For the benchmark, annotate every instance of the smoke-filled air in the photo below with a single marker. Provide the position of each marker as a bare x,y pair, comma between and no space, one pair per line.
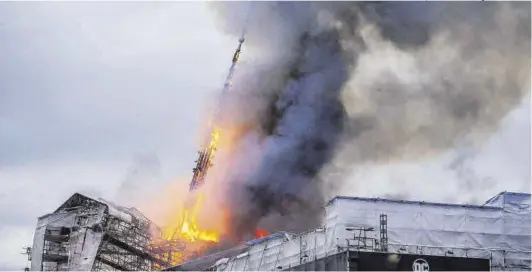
325,86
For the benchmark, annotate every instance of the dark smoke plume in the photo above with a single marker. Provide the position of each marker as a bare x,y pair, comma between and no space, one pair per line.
333,84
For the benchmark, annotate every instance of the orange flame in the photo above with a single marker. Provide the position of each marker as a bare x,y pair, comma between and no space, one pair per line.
201,224
186,227
259,233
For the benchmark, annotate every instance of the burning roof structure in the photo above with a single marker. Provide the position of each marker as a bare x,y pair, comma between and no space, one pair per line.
498,231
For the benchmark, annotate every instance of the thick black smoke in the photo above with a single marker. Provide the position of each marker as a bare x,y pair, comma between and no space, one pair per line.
334,84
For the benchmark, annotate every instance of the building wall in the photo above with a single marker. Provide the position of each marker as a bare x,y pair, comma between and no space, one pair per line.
490,231
281,252
377,261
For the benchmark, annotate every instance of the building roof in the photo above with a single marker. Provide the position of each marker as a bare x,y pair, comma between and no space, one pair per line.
508,197
428,203
75,200
126,214
207,261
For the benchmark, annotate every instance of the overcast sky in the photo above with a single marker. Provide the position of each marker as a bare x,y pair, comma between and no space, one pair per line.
92,92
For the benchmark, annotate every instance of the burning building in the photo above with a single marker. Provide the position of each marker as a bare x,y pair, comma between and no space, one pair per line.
357,234
86,234
320,101
382,234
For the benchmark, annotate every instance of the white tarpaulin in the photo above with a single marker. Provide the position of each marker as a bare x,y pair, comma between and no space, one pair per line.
498,230
49,220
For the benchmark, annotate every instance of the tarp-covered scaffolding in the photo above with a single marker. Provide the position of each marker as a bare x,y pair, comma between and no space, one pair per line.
498,230
86,234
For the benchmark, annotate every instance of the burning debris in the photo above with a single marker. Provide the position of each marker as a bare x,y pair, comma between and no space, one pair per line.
185,226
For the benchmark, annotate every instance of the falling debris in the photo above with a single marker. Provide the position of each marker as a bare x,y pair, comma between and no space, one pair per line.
205,156
185,226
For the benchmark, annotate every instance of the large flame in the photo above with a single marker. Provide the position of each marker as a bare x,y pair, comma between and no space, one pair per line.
198,223
214,139
185,225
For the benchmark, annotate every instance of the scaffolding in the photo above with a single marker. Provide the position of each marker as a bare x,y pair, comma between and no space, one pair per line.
384,232
88,234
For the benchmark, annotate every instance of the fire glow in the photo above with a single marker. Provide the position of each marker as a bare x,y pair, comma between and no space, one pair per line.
260,233
185,223
185,226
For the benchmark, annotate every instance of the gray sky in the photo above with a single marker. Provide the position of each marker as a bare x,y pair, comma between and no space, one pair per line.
94,94
87,88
